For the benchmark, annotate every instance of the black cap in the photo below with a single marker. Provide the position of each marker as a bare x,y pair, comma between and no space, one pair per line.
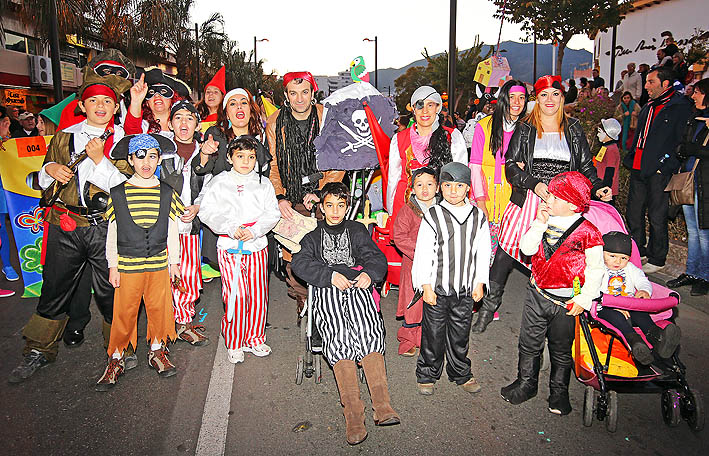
617,242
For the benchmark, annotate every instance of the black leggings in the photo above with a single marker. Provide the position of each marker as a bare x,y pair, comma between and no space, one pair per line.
640,319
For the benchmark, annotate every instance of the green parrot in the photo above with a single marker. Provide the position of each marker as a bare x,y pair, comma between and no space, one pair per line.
358,71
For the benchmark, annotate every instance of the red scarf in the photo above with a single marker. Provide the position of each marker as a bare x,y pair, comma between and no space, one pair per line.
656,106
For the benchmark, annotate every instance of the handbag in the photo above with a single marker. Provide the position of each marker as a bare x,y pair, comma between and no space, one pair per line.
681,187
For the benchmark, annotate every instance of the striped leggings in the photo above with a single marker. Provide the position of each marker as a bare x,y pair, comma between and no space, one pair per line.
191,272
249,280
348,321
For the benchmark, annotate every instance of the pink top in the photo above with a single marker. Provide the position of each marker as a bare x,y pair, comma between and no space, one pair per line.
419,145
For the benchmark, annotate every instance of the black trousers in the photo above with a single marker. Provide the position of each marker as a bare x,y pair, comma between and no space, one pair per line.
445,329
648,193
541,319
640,319
79,307
69,254
502,265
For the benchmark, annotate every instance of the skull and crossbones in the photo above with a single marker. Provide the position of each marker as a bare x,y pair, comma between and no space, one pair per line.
361,133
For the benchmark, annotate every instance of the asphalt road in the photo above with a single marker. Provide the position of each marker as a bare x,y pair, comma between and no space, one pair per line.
57,412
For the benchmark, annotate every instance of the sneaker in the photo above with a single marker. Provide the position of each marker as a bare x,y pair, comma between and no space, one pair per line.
31,362
158,360
207,280
235,355
471,386
110,376
425,389
681,280
10,273
649,268
6,293
410,352
496,316
259,350
191,334
130,359
700,288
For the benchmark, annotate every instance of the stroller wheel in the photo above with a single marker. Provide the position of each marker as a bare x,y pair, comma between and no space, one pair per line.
318,368
612,416
671,407
694,407
589,399
545,361
303,329
299,371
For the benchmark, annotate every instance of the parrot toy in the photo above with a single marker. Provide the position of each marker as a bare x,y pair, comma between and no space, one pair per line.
358,71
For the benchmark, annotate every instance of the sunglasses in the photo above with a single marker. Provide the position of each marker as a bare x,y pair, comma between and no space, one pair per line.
163,90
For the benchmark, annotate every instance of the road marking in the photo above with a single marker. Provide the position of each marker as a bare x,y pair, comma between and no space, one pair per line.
215,418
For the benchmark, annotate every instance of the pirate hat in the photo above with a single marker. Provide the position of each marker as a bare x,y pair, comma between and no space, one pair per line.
130,144
113,57
155,76
116,83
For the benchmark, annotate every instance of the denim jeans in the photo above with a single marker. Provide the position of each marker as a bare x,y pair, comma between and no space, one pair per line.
697,243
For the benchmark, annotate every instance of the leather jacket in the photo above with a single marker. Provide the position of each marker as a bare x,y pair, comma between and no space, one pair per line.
521,149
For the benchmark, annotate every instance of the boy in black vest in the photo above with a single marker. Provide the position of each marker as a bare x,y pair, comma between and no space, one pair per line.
451,266
142,241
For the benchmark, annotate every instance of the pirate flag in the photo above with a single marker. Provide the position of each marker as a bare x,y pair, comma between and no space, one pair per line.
345,141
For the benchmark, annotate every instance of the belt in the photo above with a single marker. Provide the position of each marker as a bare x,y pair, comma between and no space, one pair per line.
92,216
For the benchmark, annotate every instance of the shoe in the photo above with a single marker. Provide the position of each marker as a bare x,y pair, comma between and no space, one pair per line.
471,386
235,355
425,389
130,359
158,360
649,268
665,341
10,273
259,350
191,334
410,352
300,304
700,288
559,403
681,280
73,338
375,372
348,384
6,293
30,363
639,350
268,325
110,376
207,280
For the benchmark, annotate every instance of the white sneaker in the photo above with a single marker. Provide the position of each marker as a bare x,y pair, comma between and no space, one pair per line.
649,268
259,350
235,355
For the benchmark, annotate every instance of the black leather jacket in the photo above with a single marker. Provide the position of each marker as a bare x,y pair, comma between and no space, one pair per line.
521,149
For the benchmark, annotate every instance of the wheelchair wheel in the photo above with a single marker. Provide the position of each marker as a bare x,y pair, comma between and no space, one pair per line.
589,399
545,362
317,361
670,407
299,371
694,406
612,416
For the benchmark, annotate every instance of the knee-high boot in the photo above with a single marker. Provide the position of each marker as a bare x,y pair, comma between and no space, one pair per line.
375,371
559,378
491,302
348,384
525,387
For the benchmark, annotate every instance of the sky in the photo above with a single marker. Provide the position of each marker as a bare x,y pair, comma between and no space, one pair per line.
323,36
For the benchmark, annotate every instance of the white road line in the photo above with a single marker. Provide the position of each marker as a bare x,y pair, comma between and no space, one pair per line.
215,419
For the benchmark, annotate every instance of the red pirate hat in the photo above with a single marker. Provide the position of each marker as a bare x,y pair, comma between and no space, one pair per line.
218,81
548,81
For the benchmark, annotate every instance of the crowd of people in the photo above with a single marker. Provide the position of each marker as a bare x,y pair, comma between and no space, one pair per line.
465,209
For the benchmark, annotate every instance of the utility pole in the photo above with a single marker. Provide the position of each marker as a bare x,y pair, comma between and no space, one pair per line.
376,73
196,50
54,49
534,67
452,57
613,43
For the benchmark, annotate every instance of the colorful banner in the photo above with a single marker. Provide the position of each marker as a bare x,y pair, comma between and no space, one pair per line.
19,158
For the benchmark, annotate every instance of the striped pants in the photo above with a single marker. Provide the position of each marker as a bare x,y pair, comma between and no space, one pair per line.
191,272
249,280
348,321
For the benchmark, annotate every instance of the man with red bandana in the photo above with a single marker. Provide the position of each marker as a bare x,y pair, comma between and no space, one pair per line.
75,228
290,132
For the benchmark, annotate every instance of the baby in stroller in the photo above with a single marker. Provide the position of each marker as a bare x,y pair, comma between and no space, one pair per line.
623,278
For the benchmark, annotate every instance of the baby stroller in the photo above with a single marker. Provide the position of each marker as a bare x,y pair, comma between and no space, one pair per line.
604,364
310,363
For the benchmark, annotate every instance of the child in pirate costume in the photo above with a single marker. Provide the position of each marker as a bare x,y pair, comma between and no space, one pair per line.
565,248
240,206
404,233
75,229
340,260
176,170
451,267
142,249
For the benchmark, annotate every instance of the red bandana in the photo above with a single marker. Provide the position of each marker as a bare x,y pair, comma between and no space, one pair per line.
574,187
306,75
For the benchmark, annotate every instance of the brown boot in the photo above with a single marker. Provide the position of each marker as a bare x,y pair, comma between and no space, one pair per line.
348,384
375,372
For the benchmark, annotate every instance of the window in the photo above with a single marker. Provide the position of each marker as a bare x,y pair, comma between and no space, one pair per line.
19,43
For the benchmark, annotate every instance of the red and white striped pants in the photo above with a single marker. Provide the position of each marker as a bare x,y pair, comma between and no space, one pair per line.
248,326
191,272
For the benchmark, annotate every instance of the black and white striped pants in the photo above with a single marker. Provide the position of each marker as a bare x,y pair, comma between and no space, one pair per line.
348,321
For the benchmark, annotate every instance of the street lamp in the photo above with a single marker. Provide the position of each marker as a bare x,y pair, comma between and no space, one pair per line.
376,78
257,41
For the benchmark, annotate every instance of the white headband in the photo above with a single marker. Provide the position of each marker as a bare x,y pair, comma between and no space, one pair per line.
233,92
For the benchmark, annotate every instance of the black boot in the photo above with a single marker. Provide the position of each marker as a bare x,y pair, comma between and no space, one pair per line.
491,302
639,349
559,389
664,341
525,387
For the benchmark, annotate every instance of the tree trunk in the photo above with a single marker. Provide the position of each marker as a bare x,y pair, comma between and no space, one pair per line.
560,56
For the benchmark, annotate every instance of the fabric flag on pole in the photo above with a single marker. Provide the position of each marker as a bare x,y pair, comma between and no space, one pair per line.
381,145
269,107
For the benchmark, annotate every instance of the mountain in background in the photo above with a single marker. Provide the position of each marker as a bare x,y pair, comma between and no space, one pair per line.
520,57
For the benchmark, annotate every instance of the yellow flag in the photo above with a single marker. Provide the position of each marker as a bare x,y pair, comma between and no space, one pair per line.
269,107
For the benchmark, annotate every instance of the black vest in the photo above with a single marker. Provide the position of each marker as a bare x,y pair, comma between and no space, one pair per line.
133,240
